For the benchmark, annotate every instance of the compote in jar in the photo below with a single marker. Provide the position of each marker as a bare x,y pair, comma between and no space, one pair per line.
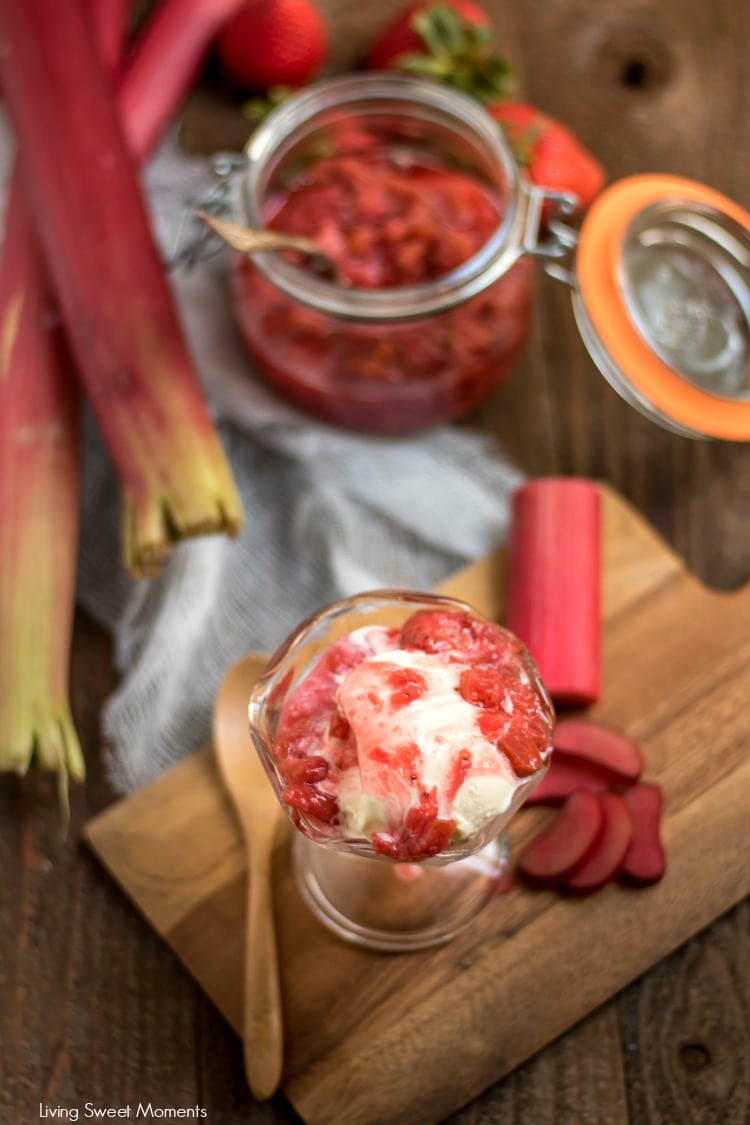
411,191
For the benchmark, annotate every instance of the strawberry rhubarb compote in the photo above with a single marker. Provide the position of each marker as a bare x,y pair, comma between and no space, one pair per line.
417,738
412,194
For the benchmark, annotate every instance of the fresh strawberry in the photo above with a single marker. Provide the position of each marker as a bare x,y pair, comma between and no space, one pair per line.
448,40
401,37
272,43
551,155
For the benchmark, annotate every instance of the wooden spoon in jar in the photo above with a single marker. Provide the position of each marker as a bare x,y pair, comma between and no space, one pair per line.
260,816
248,240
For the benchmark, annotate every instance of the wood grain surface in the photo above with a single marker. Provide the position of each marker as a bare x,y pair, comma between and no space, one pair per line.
409,1039
93,1005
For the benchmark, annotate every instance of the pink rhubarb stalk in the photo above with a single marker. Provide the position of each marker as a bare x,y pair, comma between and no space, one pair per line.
115,300
554,584
39,474
39,485
171,48
39,422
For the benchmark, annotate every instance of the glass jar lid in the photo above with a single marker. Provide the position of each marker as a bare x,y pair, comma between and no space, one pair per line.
662,301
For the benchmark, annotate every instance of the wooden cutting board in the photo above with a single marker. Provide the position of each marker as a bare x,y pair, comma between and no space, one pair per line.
378,1039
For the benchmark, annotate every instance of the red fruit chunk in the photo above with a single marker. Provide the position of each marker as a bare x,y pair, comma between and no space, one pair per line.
307,799
596,742
566,774
523,750
410,845
461,633
483,687
339,727
553,584
644,861
606,857
566,842
310,769
460,767
509,714
423,833
407,685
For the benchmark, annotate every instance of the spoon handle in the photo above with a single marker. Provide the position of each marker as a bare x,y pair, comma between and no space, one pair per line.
248,240
263,1034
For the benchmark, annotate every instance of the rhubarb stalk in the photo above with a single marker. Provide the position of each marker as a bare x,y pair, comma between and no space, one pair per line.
170,50
39,474
554,584
39,486
118,310
39,424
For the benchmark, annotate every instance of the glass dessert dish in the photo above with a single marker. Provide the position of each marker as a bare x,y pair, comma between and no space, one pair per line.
400,732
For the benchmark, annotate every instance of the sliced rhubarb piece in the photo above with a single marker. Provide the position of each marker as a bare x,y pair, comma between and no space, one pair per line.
606,858
598,743
566,842
553,584
644,862
568,773
116,303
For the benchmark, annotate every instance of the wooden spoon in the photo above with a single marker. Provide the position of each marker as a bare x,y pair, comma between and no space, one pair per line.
248,240
261,817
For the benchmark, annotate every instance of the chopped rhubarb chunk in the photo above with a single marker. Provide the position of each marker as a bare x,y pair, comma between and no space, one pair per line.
567,773
406,685
600,744
309,769
644,861
464,635
605,859
307,799
484,687
422,835
566,842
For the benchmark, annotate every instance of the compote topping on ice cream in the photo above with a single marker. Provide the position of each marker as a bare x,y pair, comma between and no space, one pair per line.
415,737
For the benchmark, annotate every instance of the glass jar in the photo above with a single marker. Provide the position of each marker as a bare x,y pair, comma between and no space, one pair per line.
659,274
361,891
358,155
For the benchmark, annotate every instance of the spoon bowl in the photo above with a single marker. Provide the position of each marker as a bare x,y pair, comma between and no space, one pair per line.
261,819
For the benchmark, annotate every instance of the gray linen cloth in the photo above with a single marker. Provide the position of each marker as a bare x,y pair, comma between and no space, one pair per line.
328,513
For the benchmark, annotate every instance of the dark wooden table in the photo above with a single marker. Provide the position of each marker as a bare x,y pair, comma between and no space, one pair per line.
93,1007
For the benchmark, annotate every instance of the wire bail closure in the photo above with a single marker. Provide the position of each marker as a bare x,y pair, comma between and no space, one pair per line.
194,242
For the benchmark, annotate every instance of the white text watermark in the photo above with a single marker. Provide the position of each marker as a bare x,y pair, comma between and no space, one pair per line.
145,1111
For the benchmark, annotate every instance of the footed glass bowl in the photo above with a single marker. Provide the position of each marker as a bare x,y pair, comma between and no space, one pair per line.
366,897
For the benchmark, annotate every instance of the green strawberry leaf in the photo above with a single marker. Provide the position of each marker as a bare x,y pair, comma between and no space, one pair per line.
256,110
459,54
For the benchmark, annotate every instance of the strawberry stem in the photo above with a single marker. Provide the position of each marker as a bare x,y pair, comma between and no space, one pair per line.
458,53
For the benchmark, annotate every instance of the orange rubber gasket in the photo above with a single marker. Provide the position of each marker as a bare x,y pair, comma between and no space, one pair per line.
597,258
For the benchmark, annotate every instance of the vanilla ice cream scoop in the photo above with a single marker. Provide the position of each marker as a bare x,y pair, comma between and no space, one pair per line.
421,739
